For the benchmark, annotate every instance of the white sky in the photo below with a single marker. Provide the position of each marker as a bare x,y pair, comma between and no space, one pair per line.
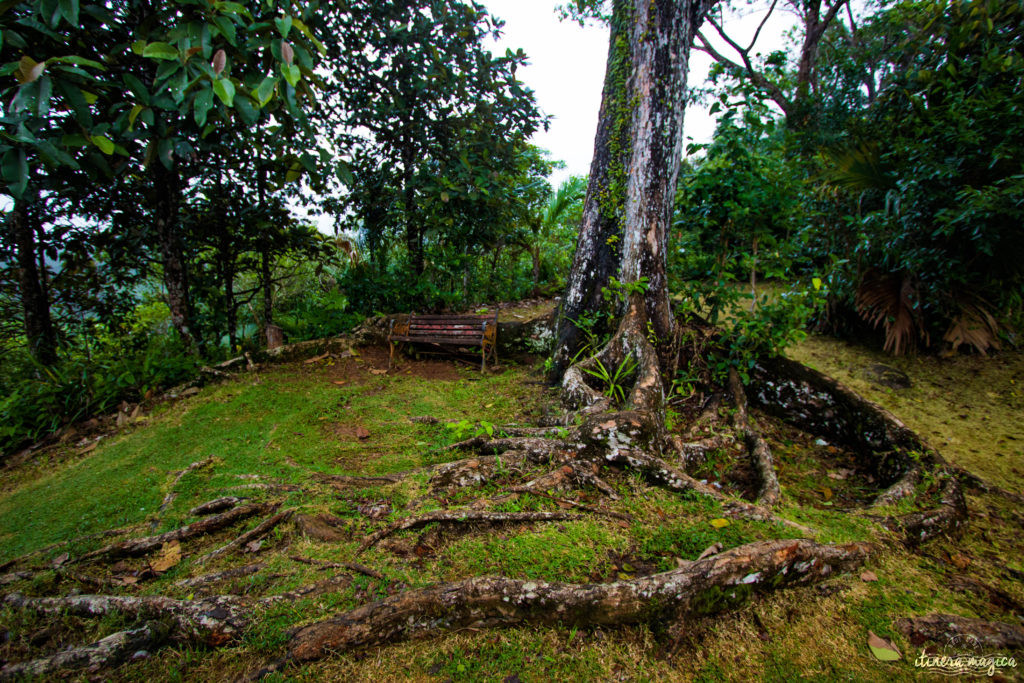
566,71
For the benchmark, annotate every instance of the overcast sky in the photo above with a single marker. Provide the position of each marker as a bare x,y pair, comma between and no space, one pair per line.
566,71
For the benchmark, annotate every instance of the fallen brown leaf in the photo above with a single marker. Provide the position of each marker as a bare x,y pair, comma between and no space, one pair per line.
869,576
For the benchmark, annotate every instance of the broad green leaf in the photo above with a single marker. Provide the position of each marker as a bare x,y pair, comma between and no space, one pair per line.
58,156
137,88
284,25
69,8
293,173
90,97
201,106
160,51
291,74
225,90
105,144
245,109
227,29
138,46
265,91
816,281
15,171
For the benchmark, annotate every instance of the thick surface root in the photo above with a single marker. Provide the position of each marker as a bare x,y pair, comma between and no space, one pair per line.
948,518
109,651
213,621
698,588
947,628
135,547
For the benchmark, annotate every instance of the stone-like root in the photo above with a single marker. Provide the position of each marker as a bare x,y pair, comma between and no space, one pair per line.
696,589
213,622
947,628
895,453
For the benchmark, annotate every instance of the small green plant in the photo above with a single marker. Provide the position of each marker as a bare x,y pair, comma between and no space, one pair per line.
464,429
614,382
617,289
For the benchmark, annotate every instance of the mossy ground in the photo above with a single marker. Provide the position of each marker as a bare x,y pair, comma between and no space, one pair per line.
288,423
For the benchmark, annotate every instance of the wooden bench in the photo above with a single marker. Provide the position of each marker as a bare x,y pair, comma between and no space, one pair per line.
449,331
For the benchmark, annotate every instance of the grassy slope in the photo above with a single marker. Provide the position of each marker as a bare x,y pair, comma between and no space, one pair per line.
295,420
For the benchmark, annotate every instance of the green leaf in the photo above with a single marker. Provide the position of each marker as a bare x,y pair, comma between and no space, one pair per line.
265,91
57,156
15,171
69,8
201,105
233,8
284,25
43,98
227,29
816,281
225,90
77,61
309,35
344,173
293,173
291,74
105,144
245,109
134,114
160,51
137,88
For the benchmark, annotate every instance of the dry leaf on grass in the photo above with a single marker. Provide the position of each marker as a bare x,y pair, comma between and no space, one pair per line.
869,576
170,556
882,649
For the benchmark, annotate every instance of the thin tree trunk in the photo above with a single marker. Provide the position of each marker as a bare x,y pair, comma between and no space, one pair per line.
39,330
165,203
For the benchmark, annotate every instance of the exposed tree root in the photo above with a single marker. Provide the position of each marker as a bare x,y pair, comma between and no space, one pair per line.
53,546
254,534
109,651
213,621
947,628
769,492
702,587
949,517
346,481
902,488
464,517
216,505
353,566
217,577
140,546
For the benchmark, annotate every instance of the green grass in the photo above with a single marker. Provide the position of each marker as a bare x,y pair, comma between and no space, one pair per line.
295,421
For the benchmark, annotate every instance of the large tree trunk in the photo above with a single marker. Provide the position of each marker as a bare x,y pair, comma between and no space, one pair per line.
633,174
39,330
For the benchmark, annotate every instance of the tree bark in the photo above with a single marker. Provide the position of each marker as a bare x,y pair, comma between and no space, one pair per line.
165,203
39,330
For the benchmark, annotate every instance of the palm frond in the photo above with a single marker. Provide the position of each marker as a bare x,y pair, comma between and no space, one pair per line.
974,325
887,299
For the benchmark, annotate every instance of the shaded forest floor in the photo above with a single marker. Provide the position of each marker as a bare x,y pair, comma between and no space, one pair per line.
290,434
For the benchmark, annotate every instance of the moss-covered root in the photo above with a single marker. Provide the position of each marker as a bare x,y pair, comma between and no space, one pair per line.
702,587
